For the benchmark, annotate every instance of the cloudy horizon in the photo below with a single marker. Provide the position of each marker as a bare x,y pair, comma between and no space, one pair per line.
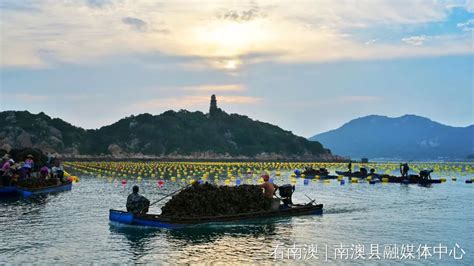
307,67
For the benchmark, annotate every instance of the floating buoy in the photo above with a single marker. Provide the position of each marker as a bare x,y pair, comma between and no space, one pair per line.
442,180
327,181
372,182
124,182
238,182
339,178
306,182
385,180
354,180
343,182
454,178
161,183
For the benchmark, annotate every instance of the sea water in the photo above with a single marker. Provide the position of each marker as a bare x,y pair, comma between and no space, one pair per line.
361,224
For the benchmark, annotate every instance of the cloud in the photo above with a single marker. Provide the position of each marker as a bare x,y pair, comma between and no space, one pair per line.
18,6
98,3
302,33
217,88
467,26
416,40
135,23
243,15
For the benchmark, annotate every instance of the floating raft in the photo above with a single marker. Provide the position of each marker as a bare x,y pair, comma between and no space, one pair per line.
321,177
27,192
182,222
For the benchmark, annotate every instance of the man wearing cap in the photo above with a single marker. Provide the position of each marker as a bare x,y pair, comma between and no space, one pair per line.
136,203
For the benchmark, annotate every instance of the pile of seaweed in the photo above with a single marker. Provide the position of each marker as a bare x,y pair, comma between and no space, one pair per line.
200,200
32,182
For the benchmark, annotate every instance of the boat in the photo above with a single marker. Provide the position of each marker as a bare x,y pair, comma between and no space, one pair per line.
159,221
27,192
353,174
310,173
7,191
412,179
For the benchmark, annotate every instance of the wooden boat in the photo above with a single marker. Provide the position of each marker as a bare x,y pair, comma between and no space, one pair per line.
27,192
182,222
322,173
412,179
8,191
353,174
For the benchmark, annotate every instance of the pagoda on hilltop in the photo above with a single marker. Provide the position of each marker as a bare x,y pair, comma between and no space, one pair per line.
213,109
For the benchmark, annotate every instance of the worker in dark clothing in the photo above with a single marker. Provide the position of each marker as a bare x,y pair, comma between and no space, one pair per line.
405,169
136,203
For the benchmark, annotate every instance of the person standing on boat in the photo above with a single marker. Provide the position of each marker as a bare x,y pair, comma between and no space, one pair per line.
405,170
349,167
136,203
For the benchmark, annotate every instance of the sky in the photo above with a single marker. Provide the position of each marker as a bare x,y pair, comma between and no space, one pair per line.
306,66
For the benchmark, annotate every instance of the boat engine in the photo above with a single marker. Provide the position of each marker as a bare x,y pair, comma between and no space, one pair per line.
286,191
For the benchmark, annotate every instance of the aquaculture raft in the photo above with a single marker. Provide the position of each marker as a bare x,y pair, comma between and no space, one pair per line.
182,222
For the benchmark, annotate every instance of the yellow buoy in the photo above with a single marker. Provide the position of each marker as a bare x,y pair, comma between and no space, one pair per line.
385,180
354,180
443,180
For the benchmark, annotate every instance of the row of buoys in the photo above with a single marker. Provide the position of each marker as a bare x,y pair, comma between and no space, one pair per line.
179,172
153,169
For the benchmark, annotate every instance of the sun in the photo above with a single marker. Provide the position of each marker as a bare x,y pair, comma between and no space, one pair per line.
231,40
231,64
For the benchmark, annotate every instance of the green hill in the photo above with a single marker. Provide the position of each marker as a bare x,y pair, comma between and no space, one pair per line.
170,134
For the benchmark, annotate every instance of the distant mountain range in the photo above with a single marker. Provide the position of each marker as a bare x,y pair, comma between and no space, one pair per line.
183,134
406,137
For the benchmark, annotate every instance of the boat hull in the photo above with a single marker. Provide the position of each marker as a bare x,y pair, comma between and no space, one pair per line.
8,191
177,223
25,192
